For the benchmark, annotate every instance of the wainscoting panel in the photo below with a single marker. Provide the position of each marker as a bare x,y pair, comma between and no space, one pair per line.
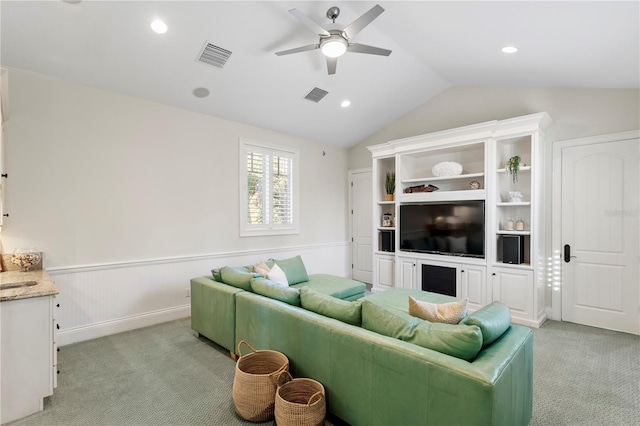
100,300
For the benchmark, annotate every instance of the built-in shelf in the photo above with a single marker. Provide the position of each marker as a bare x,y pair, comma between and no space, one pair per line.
444,178
525,266
386,202
504,232
471,194
521,169
507,204
386,228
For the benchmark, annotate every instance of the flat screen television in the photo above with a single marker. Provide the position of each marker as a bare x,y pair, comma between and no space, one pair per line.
451,228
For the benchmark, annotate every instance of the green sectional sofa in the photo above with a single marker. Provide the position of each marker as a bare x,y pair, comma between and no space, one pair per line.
213,301
379,365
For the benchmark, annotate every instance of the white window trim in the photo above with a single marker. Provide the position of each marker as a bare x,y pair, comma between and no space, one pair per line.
247,230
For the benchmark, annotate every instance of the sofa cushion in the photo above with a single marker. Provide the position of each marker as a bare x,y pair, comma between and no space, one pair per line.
332,307
340,287
277,275
294,269
239,276
268,288
448,313
494,320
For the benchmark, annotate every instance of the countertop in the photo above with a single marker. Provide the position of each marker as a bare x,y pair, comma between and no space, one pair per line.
44,286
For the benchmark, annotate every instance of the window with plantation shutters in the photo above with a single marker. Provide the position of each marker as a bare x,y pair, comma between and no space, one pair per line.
269,183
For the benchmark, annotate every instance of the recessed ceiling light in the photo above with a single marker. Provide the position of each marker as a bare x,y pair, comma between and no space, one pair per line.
509,49
159,26
200,92
345,103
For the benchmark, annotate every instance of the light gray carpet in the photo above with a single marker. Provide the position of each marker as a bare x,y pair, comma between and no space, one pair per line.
163,375
585,376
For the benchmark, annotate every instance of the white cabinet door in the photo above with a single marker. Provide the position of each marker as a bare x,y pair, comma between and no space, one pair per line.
514,288
407,272
385,268
473,285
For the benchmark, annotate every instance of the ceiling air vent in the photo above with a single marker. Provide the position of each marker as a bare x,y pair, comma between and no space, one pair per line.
213,55
316,95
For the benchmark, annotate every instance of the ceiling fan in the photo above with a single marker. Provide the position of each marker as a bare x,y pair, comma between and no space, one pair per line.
336,41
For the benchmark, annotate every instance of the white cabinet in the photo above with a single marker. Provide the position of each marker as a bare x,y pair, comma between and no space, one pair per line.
473,285
514,288
385,271
28,356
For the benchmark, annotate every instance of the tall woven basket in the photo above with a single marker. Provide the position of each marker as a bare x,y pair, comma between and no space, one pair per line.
300,402
255,382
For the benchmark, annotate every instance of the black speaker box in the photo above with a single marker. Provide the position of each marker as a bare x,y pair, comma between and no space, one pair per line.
512,249
388,241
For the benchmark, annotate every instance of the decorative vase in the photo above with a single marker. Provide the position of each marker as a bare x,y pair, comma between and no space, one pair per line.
389,197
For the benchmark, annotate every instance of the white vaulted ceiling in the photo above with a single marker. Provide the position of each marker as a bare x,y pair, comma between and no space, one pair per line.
109,45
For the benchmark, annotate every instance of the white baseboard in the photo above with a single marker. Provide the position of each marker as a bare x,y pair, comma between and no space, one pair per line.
528,322
106,328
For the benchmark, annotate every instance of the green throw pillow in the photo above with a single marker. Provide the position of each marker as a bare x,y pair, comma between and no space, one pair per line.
294,270
332,307
268,288
493,320
237,277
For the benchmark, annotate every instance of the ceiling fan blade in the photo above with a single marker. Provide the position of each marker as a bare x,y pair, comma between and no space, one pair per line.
363,48
298,49
311,24
331,65
358,25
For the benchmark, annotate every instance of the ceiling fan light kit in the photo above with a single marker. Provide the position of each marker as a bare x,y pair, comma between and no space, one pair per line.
334,46
334,43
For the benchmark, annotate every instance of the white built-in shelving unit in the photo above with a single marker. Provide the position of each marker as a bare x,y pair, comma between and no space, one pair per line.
483,150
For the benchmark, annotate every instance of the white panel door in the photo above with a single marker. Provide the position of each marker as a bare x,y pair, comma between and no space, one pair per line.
362,226
407,272
514,288
600,187
473,285
386,270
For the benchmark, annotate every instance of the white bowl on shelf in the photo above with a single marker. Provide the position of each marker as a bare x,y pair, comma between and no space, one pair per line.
447,168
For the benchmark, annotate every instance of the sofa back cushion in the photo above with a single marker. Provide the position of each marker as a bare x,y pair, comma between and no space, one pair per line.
239,276
494,320
460,341
332,307
272,290
294,269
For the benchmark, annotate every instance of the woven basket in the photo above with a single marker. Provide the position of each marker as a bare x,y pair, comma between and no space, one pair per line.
256,381
300,402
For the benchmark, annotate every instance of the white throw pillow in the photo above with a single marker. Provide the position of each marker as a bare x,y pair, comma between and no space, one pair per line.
276,274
